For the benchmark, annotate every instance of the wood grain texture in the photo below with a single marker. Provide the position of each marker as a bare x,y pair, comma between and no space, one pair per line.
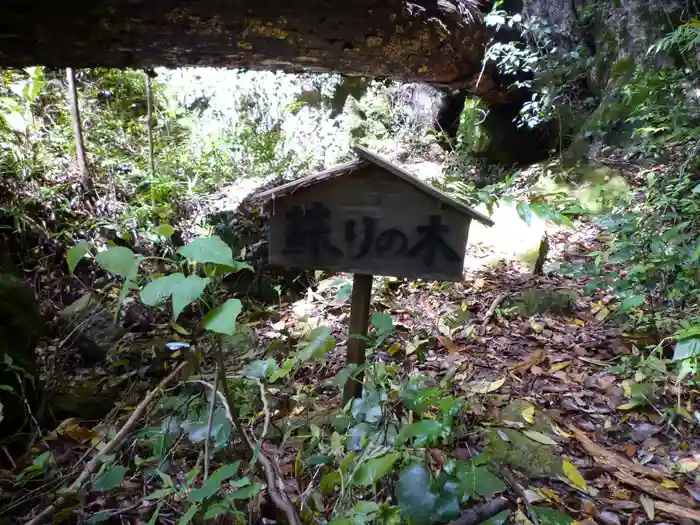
371,196
423,40
359,324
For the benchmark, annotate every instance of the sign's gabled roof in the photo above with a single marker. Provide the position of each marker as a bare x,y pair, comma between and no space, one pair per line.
366,158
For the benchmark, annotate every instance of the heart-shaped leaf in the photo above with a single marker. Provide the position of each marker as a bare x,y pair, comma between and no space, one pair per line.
208,250
158,290
76,253
222,320
119,260
188,291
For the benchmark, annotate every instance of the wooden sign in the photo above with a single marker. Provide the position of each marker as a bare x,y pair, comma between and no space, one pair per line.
368,217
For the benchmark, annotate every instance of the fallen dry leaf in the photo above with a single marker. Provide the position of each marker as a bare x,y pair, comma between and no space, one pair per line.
535,358
669,484
558,366
539,437
607,457
572,473
449,344
485,386
648,505
686,465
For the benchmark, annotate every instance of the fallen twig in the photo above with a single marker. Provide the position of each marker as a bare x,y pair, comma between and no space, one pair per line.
519,491
654,488
275,485
266,408
492,309
482,512
94,463
210,420
610,458
677,511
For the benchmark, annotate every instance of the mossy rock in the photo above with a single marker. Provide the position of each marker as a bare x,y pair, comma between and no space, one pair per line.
513,448
539,301
21,325
522,453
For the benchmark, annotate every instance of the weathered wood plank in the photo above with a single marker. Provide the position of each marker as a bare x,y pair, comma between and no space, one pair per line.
369,222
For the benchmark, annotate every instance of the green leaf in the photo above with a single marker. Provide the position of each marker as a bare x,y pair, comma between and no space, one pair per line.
686,349
188,291
319,342
374,469
164,230
154,518
551,516
76,253
382,321
98,517
216,509
246,493
222,320
689,332
329,481
187,516
631,302
119,260
110,478
212,485
260,368
208,250
425,431
158,290
158,494
524,212
478,480
416,500
234,267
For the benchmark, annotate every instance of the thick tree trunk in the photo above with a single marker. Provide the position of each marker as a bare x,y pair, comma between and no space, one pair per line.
85,178
434,41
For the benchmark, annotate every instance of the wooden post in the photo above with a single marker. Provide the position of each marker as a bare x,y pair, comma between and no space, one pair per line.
359,323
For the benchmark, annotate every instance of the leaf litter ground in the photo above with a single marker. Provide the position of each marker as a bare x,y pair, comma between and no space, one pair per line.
531,355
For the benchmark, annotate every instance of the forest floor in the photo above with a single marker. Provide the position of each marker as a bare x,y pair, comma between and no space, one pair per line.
531,355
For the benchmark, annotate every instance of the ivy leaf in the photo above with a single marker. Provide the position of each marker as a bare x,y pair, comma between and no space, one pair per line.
119,260
188,291
212,485
373,470
208,250
76,253
416,500
425,431
551,516
477,480
222,320
686,349
158,290
110,478
499,519
631,302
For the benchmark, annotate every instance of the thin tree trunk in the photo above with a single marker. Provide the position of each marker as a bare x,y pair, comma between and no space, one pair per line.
78,130
149,124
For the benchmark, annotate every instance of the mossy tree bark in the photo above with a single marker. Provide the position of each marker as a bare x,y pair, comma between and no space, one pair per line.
434,41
